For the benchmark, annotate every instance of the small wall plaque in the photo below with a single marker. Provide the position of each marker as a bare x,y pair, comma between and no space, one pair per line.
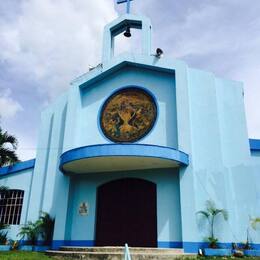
83,209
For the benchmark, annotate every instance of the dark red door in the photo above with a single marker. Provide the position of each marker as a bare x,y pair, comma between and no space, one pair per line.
126,213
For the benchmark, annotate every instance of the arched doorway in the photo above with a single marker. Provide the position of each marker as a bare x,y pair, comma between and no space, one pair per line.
126,213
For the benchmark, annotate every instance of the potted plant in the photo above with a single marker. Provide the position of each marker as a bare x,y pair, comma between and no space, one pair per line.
248,250
210,214
46,229
4,243
30,231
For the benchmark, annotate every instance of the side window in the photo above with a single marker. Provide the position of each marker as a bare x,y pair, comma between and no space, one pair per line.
11,202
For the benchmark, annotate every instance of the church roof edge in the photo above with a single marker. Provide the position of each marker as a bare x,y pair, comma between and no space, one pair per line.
17,167
120,61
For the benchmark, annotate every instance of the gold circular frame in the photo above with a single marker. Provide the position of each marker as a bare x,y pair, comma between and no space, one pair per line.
128,115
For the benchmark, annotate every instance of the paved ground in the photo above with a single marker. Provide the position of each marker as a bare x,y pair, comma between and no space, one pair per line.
18,255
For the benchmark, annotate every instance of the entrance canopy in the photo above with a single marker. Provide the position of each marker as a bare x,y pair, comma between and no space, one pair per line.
118,157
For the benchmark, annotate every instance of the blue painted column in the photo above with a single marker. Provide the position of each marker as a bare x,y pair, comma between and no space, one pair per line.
62,188
41,165
187,192
53,174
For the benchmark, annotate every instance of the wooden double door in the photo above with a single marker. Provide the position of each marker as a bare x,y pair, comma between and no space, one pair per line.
126,213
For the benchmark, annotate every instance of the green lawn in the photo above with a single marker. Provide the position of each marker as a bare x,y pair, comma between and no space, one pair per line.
20,255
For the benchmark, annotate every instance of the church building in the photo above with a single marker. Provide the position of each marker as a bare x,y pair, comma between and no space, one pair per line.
133,150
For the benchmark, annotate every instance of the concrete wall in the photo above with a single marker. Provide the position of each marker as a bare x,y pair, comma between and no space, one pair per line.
83,189
83,123
48,182
198,113
220,166
22,181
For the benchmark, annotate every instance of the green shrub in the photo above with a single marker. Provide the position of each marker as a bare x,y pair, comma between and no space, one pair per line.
31,231
210,214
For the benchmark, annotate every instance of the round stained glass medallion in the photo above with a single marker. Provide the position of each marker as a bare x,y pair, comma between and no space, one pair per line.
128,115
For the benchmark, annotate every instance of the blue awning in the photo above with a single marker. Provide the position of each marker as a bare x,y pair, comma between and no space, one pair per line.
116,157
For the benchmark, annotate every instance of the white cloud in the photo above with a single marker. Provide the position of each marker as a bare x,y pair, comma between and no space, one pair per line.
26,147
222,37
44,45
50,42
8,106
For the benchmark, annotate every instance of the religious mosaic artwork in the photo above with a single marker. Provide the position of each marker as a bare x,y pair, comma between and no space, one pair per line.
128,115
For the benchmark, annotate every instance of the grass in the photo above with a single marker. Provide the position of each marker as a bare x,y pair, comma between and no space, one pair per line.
21,255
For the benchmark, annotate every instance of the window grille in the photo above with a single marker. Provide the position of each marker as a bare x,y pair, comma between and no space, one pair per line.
11,202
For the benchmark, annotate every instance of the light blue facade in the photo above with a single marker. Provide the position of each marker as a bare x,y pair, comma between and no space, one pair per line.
19,177
83,188
197,150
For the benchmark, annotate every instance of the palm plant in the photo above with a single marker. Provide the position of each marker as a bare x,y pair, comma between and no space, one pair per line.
7,153
3,234
254,222
210,214
30,231
46,227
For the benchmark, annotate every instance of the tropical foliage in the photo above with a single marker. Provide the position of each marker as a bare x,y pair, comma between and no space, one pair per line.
41,228
8,146
255,222
3,234
210,214
30,231
46,227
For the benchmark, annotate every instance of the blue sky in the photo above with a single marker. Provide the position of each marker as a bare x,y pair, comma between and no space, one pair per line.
46,43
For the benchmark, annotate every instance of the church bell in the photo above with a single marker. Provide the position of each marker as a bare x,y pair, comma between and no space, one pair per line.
127,32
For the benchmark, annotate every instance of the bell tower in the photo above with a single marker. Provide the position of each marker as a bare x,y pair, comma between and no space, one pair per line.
124,24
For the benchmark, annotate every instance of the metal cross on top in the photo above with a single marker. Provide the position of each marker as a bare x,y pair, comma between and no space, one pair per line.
127,5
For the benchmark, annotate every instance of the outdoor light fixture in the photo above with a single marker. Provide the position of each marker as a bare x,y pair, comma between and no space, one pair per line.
159,53
127,32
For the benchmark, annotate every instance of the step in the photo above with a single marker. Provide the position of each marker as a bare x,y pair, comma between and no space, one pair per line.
112,255
120,249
